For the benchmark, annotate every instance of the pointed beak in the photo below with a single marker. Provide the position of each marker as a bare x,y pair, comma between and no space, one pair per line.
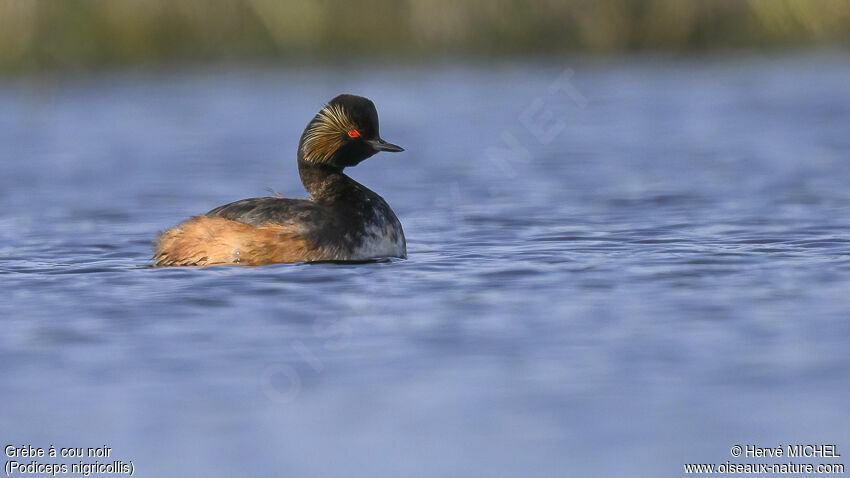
381,145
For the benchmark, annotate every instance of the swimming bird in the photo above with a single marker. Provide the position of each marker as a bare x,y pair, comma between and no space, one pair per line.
341,221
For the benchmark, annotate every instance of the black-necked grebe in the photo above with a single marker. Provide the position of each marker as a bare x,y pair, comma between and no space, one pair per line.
343,221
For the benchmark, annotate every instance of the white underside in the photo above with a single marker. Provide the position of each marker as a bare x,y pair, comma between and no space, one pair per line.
380,243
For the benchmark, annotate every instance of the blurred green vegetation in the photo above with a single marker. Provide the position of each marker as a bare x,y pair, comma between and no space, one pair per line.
84,34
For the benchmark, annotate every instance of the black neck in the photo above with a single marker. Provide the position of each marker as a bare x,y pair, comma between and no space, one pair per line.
323,182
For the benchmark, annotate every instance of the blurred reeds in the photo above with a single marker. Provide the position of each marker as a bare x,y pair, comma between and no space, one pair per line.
84,34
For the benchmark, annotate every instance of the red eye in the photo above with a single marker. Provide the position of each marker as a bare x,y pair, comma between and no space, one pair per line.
354,134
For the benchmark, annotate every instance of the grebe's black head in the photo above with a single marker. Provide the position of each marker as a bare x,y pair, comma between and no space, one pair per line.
343,133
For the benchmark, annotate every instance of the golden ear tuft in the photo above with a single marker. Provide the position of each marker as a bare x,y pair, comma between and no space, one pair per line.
327,134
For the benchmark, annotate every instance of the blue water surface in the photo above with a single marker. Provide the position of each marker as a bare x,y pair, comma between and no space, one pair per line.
615,268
